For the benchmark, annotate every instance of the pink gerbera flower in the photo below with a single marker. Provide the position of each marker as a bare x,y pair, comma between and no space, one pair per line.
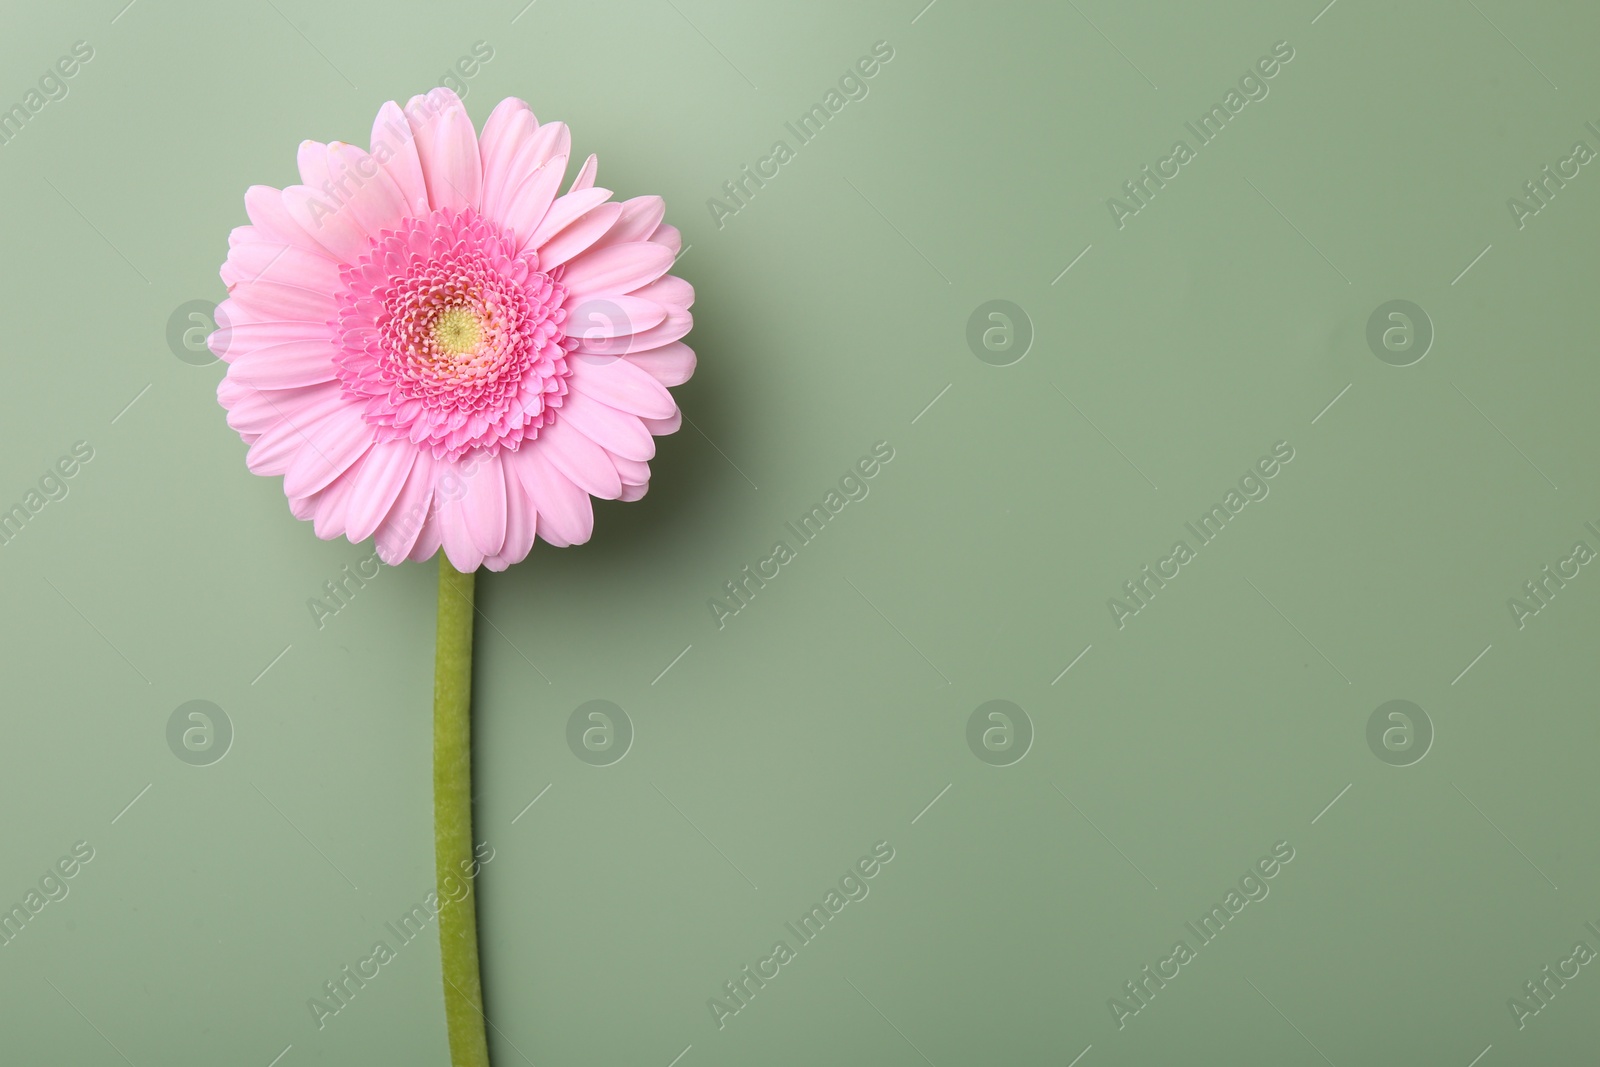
431,346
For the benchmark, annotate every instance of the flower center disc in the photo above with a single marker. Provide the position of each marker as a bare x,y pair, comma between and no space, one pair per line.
451,336
456,331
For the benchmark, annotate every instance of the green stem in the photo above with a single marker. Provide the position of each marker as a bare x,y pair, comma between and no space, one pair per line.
452,817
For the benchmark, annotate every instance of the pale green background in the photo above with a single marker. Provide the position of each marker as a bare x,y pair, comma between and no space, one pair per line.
825,717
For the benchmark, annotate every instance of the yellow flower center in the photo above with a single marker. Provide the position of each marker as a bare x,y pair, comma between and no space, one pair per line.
456,331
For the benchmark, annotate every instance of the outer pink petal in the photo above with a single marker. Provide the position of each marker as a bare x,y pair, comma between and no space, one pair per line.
564,212
370,196
252,412
332,504
566,517
253,257
577,237
315,207
289,365
521,518
670,364
281,302
483,505
640,218
586,173
616,270
383,476
448,148
621,385
297,426
510,125
525,207
402,527
633,472
429,539
579,459
340,440
668,237
662,427
395,147
606,426
272,221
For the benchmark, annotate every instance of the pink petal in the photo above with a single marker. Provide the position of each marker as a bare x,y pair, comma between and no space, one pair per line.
429,538
566,516
623,386
670,364
662,427
333,502
286,366
402,527
579,459
633,472
252,258
605,326
522,212
521,519
668,237
370,196
640,217
586,173
448,149
277,301
229,342
339,441
296,427
577,237
563,212
273,222
607,427
616,270
383,476
509,127
252,412
483,506
394,147
668,291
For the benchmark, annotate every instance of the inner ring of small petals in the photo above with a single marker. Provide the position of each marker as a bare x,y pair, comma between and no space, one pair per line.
452,337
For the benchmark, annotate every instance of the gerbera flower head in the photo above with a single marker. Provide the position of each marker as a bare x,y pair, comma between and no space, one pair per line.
434,346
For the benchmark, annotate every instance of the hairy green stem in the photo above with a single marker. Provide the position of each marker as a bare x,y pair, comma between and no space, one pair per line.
452,816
